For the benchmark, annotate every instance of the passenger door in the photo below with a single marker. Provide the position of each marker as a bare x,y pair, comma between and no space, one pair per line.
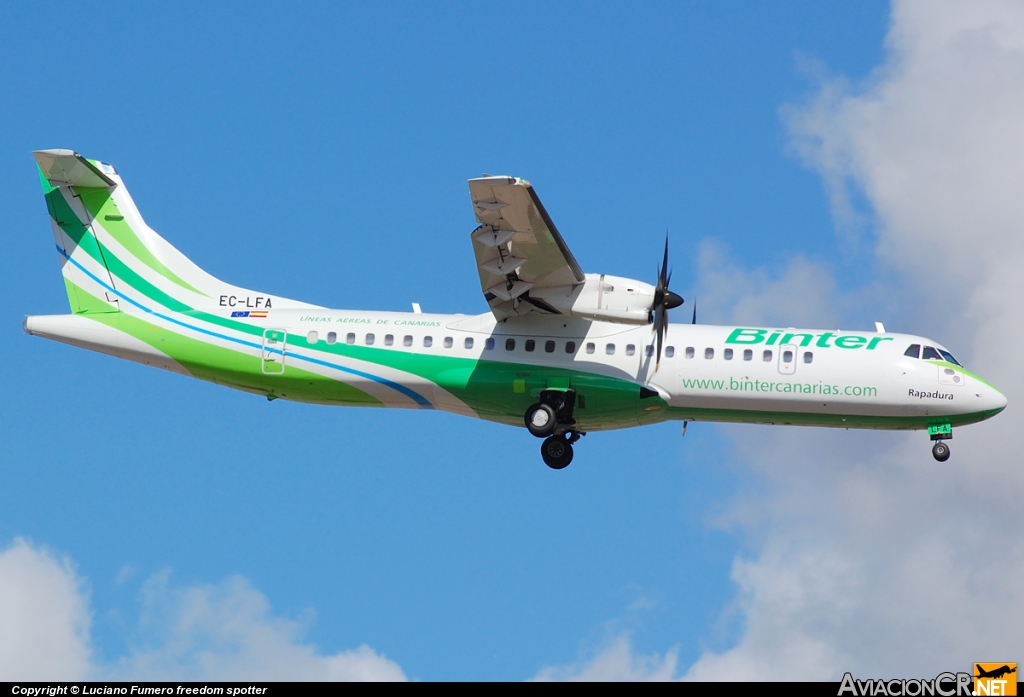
787,359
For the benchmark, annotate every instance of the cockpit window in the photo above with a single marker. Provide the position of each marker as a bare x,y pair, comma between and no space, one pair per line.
930,354
914,351
949,357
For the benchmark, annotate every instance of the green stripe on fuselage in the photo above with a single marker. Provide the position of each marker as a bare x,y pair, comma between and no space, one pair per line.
487,387
102,208
237,369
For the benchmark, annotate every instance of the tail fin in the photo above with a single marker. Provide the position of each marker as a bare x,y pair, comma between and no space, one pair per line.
111,260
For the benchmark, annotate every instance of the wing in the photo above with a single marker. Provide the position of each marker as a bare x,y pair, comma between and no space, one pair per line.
517,247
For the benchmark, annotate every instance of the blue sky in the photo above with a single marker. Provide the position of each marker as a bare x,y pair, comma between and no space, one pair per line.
322,154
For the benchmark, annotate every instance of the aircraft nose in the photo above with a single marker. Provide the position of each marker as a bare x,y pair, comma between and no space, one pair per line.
997,399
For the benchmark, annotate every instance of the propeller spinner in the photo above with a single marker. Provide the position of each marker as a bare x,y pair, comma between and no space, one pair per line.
664,300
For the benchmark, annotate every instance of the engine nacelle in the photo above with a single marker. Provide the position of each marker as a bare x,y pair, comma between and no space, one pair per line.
603,298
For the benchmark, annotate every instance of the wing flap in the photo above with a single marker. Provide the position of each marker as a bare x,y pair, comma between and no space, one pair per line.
517,246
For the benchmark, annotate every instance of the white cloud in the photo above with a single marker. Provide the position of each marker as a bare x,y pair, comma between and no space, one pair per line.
803,294
211,632
866,555
44,616
616,662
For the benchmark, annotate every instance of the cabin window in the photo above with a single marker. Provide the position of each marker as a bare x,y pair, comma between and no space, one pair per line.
930,354
312,338
767,357
407,340
914,351
690,353
428,341
787,356
332,337
570,347
370,338
549,346
727,354
609,349
949,357
590,347
389,339
649,350
468,343
808,357
488,344
748,354
448,342
670,351
530,344
350,338
630,349
709,353
510,344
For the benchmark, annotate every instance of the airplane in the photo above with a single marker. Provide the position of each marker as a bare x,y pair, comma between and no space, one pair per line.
995,673
560,352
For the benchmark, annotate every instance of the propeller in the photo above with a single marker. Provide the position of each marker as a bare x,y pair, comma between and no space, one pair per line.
664,300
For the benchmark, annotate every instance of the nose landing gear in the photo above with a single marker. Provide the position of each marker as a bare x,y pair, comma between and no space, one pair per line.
942,432
940,451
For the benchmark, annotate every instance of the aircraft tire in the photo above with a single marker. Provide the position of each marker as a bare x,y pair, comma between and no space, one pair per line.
940,451
540,420
557,452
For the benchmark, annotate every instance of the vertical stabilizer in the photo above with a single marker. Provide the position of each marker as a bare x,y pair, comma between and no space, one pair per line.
111,260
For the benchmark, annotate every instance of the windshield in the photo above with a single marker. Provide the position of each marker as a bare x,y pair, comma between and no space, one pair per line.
949,357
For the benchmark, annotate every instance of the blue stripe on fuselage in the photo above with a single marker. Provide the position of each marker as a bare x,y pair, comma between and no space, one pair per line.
411,394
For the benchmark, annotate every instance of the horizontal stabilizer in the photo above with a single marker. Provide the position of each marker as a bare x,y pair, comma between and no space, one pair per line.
68,168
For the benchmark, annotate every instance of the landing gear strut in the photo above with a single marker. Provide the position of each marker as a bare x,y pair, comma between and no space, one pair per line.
943,432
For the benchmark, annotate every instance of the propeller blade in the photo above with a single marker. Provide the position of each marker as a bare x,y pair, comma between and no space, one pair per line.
662,280
661,338
694,311
664,300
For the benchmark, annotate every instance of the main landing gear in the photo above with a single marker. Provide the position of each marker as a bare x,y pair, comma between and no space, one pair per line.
940,433
551,419
557,450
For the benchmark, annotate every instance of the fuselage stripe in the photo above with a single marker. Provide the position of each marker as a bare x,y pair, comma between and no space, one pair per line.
411,394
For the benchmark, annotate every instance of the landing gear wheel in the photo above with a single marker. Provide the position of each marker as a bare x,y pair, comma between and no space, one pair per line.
557,452
540,420
940,451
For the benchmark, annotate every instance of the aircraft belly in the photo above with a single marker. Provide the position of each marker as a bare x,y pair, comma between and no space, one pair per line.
503,391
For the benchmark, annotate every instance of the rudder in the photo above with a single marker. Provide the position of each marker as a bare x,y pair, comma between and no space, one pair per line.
110,258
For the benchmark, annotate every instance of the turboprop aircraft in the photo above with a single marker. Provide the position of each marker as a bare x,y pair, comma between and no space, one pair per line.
561,352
